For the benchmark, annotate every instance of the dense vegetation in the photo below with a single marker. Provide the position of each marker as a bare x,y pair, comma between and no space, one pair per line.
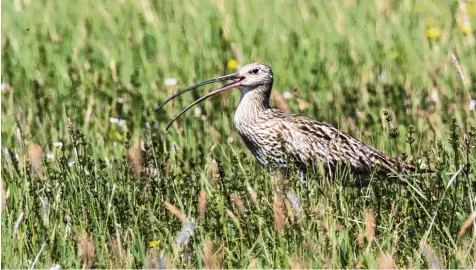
91,179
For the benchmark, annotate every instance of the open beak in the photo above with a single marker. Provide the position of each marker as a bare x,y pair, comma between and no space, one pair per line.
236,83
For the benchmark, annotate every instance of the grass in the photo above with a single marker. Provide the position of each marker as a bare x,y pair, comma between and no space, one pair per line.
82,188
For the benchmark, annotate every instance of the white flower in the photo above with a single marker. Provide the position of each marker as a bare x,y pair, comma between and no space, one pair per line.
229,139
117,121
5,87
288,95
472,105
121,122
197,112
55,267
383,77
120,100
58,144
50,156
70,163
434,96
170,82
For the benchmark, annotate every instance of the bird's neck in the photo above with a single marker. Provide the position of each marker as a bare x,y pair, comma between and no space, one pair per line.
253,101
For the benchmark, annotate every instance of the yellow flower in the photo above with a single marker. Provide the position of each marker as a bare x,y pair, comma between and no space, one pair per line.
232,64
433,32
154,243
115,135
465,28
472,9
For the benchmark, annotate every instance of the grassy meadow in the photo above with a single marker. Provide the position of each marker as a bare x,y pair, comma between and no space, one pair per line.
90,179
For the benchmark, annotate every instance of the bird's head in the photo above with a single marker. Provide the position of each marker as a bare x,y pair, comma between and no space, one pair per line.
248,78
255,74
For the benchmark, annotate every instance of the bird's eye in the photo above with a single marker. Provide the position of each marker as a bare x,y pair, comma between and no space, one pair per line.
254,71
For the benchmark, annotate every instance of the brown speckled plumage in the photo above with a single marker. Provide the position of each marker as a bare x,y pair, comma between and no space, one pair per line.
278,137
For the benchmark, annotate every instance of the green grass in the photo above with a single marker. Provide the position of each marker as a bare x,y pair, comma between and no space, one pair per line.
90,61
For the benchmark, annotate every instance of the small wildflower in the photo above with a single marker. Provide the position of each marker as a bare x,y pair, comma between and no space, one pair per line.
5,87
55,267
120,100
383,77
115,135
70,163
197,112
433,32
170,82
58,144
465,28
288,95
472,104
117,121
434,95
232,64
229,139
154,243
186,233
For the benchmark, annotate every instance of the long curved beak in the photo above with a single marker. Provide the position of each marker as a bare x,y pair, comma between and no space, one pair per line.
237,83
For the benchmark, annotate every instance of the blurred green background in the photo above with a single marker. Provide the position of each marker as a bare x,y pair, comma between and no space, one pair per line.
104,65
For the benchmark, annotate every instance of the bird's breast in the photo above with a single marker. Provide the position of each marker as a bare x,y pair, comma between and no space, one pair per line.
262,138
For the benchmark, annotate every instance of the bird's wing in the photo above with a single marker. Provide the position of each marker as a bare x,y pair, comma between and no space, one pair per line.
312,141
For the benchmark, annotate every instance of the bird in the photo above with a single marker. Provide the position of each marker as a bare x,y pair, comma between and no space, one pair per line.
286,140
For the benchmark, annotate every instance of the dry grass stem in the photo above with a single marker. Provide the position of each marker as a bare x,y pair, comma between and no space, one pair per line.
456,64
370,224
278,210
467,223
385,261
253,196
35,156
176,212
86,250
135,157
213,165
360,240
279,101
211,259
235,198
202,204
